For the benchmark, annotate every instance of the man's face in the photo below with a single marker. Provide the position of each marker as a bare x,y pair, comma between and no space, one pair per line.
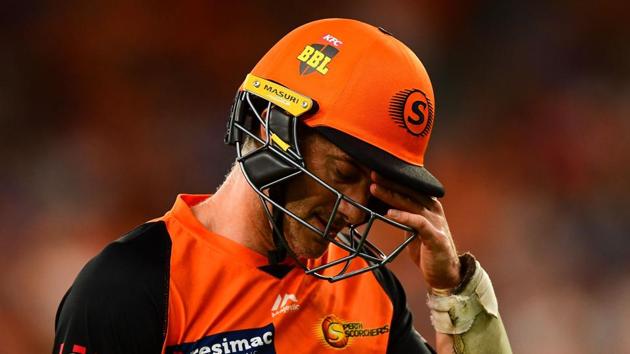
314,203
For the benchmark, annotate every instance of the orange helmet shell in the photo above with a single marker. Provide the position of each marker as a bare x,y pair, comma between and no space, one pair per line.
367,84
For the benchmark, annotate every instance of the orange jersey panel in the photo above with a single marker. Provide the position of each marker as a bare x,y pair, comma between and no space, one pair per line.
216,287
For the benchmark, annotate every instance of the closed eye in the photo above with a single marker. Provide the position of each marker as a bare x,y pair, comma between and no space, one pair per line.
346,174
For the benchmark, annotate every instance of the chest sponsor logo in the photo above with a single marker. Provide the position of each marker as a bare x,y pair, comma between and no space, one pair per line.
246,341
339,334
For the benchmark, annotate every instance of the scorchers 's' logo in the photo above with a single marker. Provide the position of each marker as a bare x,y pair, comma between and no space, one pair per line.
339,334
413,110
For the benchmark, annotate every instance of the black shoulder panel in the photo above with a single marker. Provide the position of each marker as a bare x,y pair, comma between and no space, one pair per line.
277,270
403,337
119,301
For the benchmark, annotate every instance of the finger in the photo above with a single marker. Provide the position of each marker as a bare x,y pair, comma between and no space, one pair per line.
404,201
432,237
395,199
428,202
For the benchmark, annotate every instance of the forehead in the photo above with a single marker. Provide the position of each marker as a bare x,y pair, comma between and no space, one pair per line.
317,146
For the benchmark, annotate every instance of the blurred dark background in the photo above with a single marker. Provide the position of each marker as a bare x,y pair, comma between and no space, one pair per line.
108,109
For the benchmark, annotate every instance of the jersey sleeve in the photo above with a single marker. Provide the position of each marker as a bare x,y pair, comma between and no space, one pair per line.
119,301
403,337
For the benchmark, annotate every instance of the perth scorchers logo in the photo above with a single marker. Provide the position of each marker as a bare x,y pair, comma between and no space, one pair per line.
413,110
339,334
316,57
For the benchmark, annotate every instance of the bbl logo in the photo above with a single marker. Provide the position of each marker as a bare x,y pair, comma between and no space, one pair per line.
315,57
411,109
338,333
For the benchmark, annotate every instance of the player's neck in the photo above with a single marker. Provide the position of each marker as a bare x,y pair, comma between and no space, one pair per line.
235,212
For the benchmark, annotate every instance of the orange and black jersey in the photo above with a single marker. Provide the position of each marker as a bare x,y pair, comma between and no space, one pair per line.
172,286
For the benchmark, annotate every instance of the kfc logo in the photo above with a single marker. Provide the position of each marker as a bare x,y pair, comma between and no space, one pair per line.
332,40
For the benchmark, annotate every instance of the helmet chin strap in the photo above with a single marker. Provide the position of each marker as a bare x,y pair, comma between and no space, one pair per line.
279,253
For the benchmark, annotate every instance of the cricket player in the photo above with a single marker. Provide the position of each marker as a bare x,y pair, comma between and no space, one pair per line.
330,130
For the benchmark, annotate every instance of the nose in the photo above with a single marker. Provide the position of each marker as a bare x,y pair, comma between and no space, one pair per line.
353,214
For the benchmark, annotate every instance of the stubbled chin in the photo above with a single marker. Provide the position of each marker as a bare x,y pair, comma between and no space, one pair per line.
314,249
304,242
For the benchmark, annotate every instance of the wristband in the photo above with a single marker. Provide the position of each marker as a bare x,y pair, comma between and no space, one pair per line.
468,267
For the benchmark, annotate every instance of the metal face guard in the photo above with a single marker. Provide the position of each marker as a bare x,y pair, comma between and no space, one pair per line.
278,159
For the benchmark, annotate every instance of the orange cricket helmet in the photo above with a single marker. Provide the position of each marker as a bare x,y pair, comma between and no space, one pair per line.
374,96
